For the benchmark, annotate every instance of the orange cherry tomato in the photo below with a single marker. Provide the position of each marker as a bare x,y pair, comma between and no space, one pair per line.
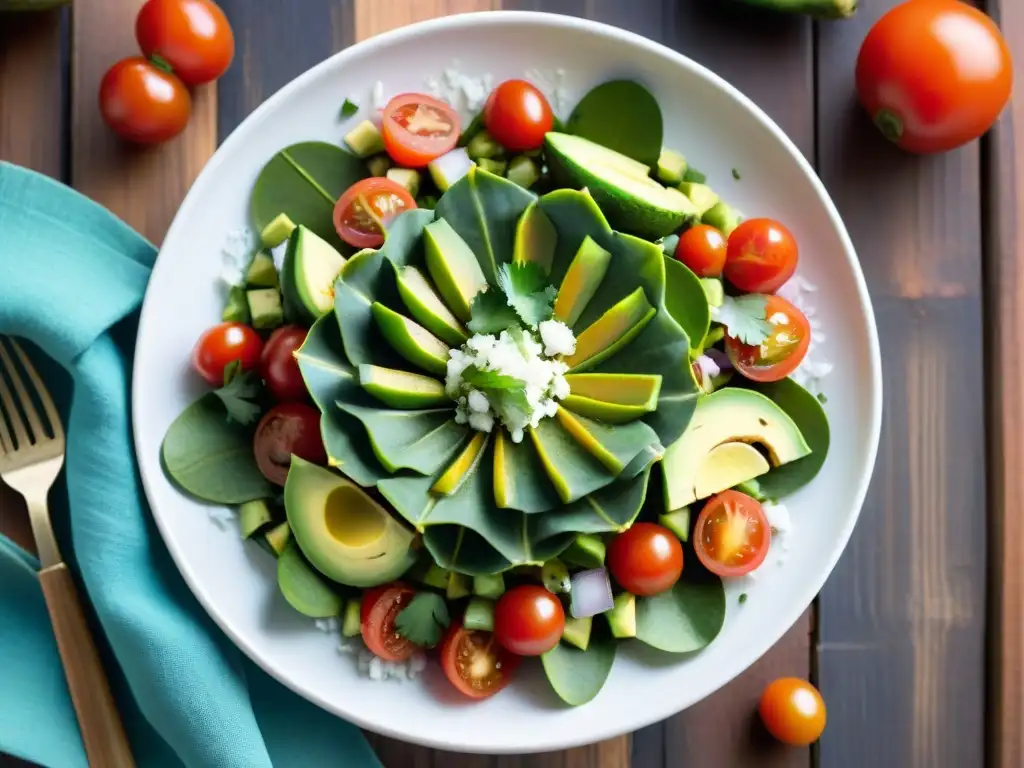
417,128
934,75
192,36
475,663
528,620
222,345
365,211
379,610
143,103
703,249
732,535
518,115
793,711
782,350
646,559
762,256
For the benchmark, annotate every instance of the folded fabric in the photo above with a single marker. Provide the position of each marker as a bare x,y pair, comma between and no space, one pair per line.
72,277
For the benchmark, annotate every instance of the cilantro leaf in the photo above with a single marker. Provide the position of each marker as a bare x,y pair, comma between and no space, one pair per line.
423,620
237,395
349,108
490,313
525,285
743,318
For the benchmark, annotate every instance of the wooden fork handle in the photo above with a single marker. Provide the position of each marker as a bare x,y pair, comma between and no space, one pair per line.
103,734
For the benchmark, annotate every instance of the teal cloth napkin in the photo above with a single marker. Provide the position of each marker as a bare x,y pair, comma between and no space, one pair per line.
72,277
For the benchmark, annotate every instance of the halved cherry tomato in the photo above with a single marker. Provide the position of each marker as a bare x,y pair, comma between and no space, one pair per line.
475,663
222,345
192,36
378,612
416,128
528,620
143,103
782,350
518,115
703,249
286,429
280,369
646,559
762,256
732,534
363,213
934,75
793,711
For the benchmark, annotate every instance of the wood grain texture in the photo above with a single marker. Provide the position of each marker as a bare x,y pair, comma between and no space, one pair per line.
1003,155
142,185
902,618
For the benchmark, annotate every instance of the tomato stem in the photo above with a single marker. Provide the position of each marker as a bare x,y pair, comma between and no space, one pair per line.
890,124
160,62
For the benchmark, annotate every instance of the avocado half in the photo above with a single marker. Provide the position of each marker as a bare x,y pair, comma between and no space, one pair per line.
717,450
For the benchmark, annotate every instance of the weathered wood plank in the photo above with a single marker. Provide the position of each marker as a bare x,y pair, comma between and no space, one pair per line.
902,617
1003,156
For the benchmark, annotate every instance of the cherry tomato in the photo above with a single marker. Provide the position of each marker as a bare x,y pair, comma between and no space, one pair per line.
793,711
732,534
192,36
143,103
762,256
417,128
278,366
224,344
363,213
646,559
518,115
286,429
934,75
782,350
528,620
475,663
378,612
703,249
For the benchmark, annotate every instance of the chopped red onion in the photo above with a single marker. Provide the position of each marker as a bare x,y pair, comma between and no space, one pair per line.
591,593
720,358
708,366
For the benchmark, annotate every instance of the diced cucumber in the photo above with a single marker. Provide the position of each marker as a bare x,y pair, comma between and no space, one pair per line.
622,617
587,551
497,167
458,586
277,231
713,290
491,585
701,195
365,139
692,174
577,631
236,310
351,622
252,516
279,536
555,576
678,522
483,145
671,166
436,577
752,488
378,165
406,177
265,308
479,614
449,168
262,273
722,217
523,171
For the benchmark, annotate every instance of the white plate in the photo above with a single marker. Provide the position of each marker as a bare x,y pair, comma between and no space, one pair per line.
718,129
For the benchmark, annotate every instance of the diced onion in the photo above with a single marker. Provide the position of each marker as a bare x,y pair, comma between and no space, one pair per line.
591,593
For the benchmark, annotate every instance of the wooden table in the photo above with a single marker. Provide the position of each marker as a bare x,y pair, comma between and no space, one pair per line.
916,640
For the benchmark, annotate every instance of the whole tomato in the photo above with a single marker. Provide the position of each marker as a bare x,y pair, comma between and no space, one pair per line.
286,429
143,103
192,36
280,369
222,345
934,74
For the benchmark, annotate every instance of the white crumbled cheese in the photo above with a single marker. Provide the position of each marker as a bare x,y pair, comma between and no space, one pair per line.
467,94
329,625
235,253
782,528
557,337
814,367
478,402
379,670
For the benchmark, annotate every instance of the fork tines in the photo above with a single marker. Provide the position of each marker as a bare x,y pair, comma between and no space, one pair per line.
21,405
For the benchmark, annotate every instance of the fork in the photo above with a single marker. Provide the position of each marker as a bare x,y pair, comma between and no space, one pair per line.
31,457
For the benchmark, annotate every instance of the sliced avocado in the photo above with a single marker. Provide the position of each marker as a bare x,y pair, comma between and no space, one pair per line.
523,171
752,488
462,467
622,617
277,231
236,310
479,614
581,281
449,168
378,165
609,413
639,389
576,632
279,536
344,533
632,201
555,576
671,166
436,577
703,197
453,267
458,586
727,416
311,267
588,434
426,307
610,332
351,622
586,551
483,145
365,139
678,522
713,290
306,591
252,516
261,273
535,238
489,585
497,167
724,464
401,389
265,308
407,178
411,340
721,217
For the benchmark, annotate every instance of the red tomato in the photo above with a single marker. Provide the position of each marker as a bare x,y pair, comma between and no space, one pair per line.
286,429
475,663
646,559
365,211
732,534
192,36
934,75
142,103
518,115
379,610
528,620
278,366
417,128
762,256
702,248
781,352
793,711
224,344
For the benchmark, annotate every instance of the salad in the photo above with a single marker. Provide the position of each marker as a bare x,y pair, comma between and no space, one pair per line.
514,388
